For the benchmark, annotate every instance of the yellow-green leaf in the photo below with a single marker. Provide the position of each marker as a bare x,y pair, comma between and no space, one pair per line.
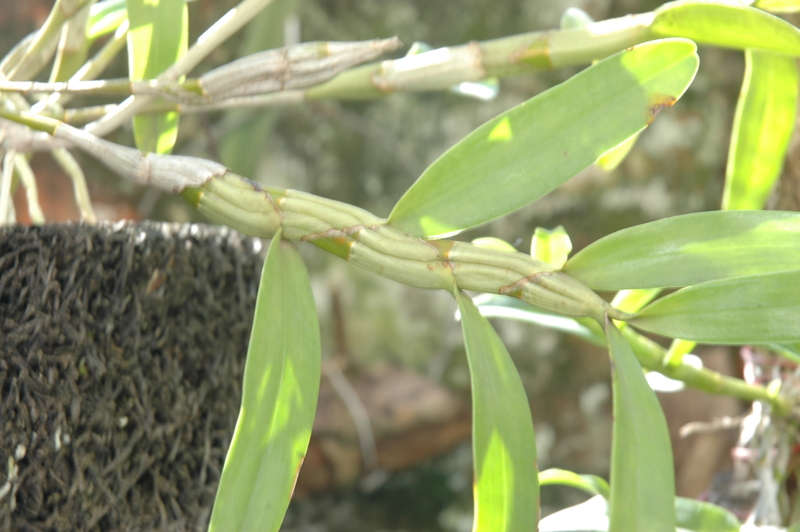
531,149
551,246
726,24
642,476
105,17
690,249
157,38
503,443
755,309
762,128
589,483
279,399
778,6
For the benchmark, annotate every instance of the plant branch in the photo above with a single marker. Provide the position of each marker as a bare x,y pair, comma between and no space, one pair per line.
226,26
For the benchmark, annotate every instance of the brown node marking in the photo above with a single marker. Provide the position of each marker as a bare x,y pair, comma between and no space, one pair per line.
515,288
659,102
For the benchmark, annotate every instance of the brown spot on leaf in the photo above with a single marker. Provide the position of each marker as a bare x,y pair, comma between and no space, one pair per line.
659,102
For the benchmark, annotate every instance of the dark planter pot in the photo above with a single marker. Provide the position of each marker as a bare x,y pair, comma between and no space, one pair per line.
121,354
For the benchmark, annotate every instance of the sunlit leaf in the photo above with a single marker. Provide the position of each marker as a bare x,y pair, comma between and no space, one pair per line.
611,159
588,483
279,399
551,246
105,17
726,24
700,516
491,242
158,36
778,6
503,442
496,306
642,476
744,310
633,300
762,128
690,249
590,516
531,149
575,18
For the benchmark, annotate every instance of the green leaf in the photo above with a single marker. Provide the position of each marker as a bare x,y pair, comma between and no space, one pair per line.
503,443
690,249
589,483
726,24
105,17
526,152
279,399
157,38
762,129
642,478
497,306
699,516
551,246
778,6
753,309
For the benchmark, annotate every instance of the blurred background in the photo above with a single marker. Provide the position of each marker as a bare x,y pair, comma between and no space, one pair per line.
394,351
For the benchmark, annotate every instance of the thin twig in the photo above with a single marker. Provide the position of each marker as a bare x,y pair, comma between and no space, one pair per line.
31,190
226,26
6,206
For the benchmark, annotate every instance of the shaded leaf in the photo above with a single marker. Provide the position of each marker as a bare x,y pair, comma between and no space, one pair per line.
690,249
744,310
497,306
279,399
763,125
589,483
524,153
642,476
157,38
503,442
700,516
726,24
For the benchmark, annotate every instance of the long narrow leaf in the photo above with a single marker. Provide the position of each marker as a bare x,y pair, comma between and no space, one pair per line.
158,36
762,128
754,309
642,478
497,306
503,442
726,24
589,483
279,399
690,249
531,149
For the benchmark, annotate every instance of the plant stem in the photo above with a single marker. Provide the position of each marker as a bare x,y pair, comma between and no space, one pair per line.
654,357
